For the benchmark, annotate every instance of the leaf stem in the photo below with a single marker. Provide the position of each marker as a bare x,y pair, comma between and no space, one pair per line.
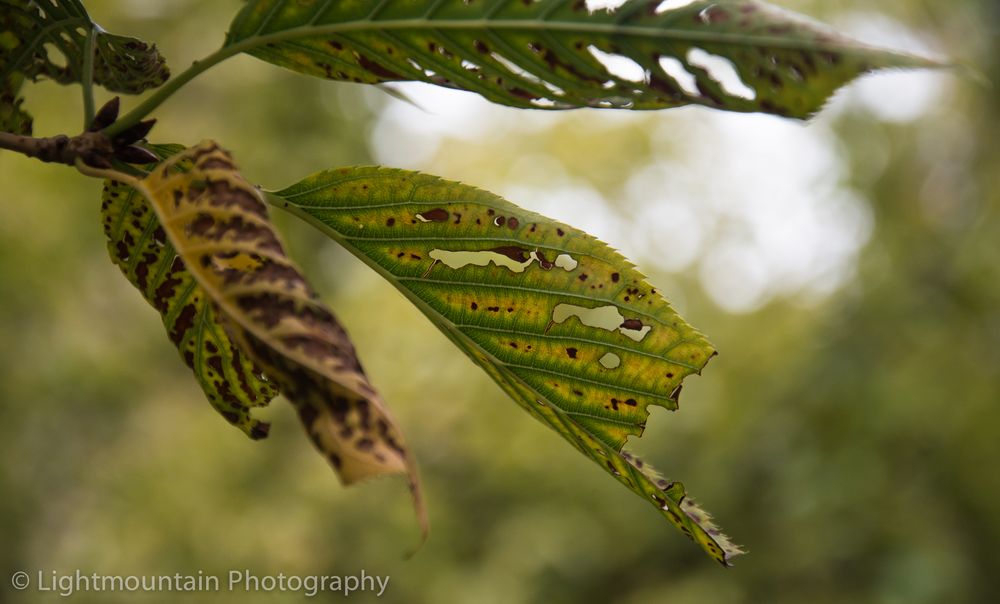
89,49
105,173
167,90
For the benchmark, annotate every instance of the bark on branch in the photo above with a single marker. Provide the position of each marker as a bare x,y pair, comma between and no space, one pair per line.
93,148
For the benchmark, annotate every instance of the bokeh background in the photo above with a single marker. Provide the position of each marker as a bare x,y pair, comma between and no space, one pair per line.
847,269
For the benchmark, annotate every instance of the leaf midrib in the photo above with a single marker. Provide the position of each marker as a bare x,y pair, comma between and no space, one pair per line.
433,314
547,25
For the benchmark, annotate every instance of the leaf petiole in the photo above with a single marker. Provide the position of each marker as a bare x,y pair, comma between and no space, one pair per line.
89,49
167,90
105,173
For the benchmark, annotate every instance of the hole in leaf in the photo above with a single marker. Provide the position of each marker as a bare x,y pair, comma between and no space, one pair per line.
722,71
554,89
619,66
542,102
55,56
514,258
684,78
608,318
608,5
415,65
515,69
610,361
565,262
672,5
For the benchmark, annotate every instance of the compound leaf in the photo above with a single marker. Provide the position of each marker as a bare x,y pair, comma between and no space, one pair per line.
737,55
564,324
221,231
137,243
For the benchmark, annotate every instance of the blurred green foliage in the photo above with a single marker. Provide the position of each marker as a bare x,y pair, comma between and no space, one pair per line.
847,442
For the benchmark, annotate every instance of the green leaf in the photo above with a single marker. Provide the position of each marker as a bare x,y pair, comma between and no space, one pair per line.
738,55
233,383
564,324
121,64
221,231
13,27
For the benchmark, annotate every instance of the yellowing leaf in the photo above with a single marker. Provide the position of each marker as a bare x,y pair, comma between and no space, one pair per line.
564,324
220,229
139,246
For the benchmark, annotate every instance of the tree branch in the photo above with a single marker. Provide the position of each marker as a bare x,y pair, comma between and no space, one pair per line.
93,148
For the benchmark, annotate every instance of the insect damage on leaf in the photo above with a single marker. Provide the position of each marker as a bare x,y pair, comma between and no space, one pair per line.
233,383
121,64
564,324
737,55
220,228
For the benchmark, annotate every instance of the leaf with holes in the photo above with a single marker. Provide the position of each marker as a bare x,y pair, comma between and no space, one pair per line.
738,55
566,326
15,28
121,64
220,230
139,246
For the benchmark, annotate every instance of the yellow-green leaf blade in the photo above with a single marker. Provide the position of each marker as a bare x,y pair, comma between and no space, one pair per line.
737,55
220,228
232,382
561,321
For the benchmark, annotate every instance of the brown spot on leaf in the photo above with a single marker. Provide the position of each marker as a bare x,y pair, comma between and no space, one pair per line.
377,69
435,215
184,322
515,253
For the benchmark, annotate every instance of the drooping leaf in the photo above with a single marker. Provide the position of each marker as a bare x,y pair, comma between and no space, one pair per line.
566,326
121,64
738,55
220,229
233,383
